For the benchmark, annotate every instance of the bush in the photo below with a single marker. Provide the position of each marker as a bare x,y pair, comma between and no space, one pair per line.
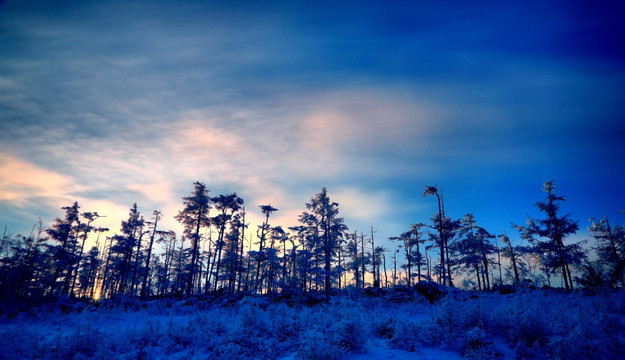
430,290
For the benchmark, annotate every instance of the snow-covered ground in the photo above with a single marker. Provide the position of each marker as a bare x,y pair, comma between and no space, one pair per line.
528,325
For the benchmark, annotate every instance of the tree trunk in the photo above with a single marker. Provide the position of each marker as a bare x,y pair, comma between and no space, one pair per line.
362,242
385,274
134,272
196,238
218,249
147,261
477,273
373,260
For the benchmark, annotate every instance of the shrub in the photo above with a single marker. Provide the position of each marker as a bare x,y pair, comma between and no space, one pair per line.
430,290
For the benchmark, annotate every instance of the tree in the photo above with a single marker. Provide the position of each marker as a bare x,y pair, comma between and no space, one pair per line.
146,272
351,249
132,230
610,247
23,266
443,240
194,216
447,230
378,260
375,261
475,247
85,228
262,232
327,228
231,260
511,254
410,239
227,205
547,235
65,232
406,238
89,269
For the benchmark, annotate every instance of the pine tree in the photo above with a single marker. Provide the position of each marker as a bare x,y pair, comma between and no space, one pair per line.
610,247
146,271
326,228
351,250
85,229
227,205
262,253
65,232
123,246
444,228
194,216
475,247
548,235
510,252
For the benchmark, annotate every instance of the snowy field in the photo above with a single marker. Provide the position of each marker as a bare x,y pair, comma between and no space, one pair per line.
526,325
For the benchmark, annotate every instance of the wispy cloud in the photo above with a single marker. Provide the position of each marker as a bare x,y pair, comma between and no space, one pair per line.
21,182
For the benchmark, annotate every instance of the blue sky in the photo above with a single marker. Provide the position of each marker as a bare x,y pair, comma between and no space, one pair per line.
113,102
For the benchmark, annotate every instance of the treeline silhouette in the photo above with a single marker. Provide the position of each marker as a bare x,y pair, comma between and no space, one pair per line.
217,254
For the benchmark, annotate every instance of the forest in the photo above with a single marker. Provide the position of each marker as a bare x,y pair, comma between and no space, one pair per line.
320,272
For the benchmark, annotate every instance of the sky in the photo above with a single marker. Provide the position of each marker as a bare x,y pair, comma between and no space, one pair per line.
112,102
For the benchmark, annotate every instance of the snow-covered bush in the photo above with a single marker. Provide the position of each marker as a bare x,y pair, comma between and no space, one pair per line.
536,324
315,344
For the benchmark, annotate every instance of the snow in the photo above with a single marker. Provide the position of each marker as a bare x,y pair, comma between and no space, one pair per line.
379,349
523,325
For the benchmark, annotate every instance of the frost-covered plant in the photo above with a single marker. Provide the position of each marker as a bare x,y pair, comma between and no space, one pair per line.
536,324
314,344
349,335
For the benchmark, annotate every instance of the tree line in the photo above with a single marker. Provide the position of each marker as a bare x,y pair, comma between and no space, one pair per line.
217,253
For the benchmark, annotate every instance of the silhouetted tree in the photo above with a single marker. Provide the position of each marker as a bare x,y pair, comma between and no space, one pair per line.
326,227
374,260
511,254
378,253
231,262
410,240
194,216
443,240
24,268
85,228
610,247
227,205
64,232
88,271
146,271
168,239
475,247
555,229
262,232
364,260
448,229
123,246
351,250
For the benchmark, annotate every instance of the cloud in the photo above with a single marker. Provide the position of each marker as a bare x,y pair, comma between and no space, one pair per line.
195,144
368,116
157,192
22,181
362,205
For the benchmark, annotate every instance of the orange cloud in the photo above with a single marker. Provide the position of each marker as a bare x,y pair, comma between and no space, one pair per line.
158,192
21,180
